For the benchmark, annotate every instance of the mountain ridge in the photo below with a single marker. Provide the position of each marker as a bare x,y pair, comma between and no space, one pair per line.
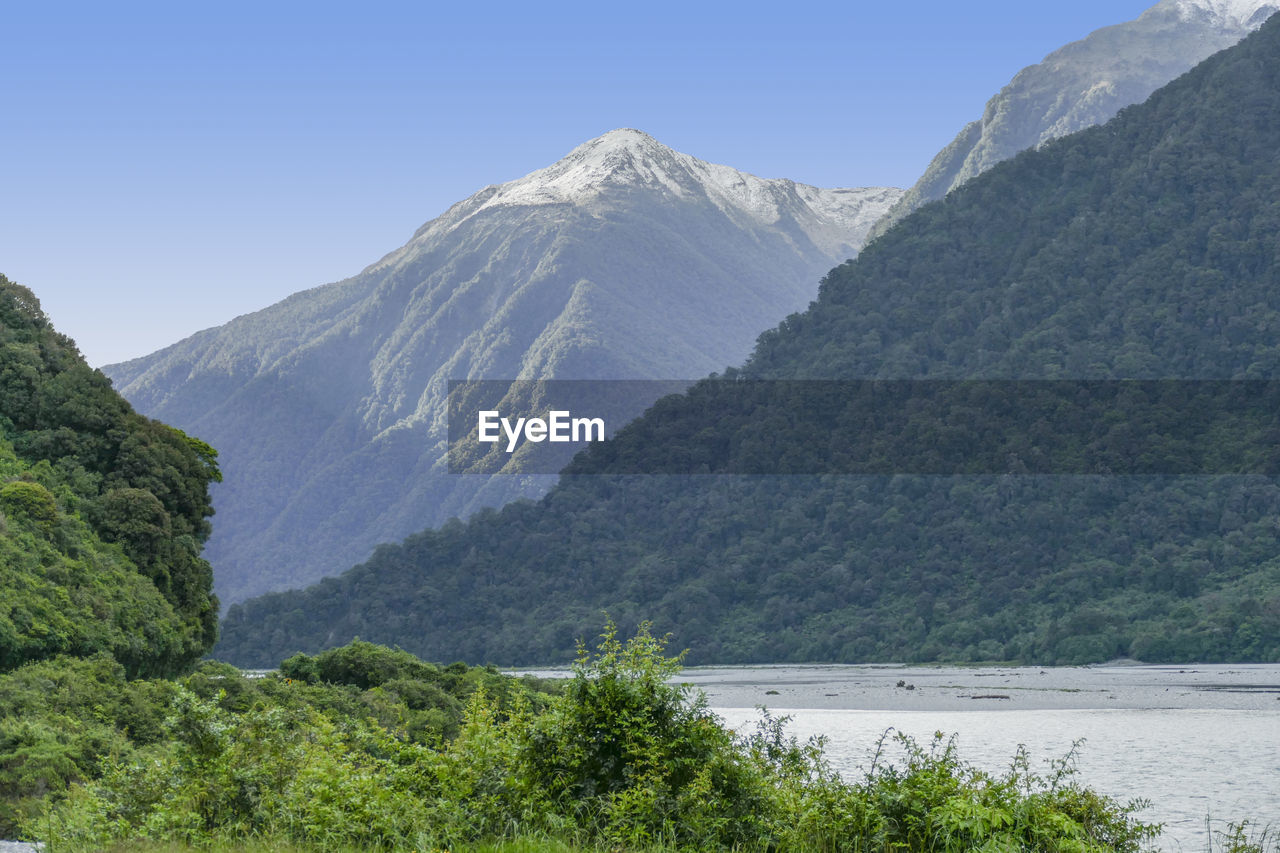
629,158
1248,13
1082,84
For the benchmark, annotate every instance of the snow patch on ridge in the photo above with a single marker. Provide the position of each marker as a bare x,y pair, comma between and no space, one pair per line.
1229,13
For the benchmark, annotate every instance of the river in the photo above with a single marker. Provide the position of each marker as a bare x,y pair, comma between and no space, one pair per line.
1201,743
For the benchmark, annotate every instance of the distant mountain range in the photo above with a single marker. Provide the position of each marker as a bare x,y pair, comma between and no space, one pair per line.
626,259
1083,84
1148,247
623,260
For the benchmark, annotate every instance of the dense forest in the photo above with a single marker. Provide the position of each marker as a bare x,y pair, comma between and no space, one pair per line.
1142,249
102,512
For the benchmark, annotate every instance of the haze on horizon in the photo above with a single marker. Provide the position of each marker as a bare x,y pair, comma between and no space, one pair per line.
168,168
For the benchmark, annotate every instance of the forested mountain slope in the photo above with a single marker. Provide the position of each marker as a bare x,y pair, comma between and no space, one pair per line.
1146,247
1083,84
626,259
102,512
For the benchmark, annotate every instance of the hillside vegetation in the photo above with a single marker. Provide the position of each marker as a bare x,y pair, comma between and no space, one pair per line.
1144,248
102,512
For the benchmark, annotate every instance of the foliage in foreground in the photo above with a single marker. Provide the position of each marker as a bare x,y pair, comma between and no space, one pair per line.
70,721
1245,838
621,759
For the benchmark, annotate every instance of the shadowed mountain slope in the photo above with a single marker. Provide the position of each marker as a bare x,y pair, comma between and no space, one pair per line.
1083,84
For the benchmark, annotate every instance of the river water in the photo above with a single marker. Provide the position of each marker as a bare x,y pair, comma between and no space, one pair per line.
1201,743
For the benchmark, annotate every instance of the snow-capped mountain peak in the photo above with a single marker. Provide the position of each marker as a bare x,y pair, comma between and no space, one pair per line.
624,259
1238,13
614,170
624,139
624,157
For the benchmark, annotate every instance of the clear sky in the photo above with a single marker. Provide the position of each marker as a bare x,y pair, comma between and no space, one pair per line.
167,166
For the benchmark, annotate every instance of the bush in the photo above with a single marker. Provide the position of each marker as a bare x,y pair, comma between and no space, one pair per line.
359,664
638,758
936,802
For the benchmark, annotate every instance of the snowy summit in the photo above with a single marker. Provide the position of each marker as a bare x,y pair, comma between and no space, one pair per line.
626,167
1229,13
632,159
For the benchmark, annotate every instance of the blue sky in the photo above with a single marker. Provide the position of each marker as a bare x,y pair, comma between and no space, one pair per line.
165,167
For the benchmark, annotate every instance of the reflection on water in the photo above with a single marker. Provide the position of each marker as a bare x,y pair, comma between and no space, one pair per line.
1190,764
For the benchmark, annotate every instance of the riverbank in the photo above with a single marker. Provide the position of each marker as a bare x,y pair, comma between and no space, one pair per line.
1220,687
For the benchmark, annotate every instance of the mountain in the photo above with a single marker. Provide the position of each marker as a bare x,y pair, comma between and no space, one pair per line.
1147,248
626,259
102,512
1083,84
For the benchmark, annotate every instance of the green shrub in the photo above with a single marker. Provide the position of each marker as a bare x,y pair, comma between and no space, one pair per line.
639,757
936,802
360,664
